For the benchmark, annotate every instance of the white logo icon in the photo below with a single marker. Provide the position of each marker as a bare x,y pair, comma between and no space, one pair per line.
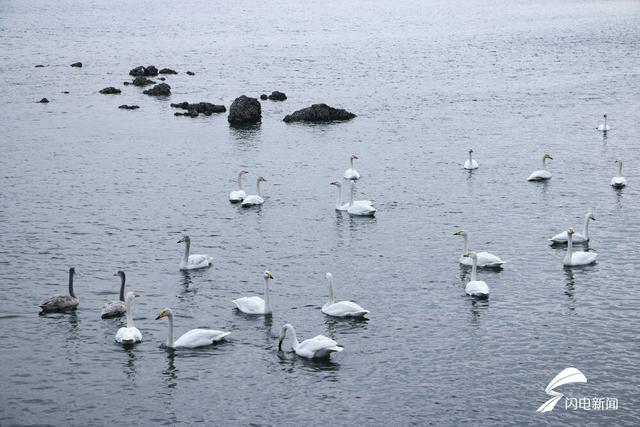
567,376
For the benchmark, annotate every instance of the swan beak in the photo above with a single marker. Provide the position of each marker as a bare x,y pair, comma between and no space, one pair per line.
355,157
333,183
136,295
181,240
457,233
115,274
160,316
269,275
466,254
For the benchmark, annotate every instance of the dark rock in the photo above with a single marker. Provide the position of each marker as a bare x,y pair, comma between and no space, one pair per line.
128,107
162,78
77,64
44,101
126,83
264,97
277,96
191,73
39,66
167,71
244,110
319,113
161,89
150,71
110,91
138,71
142,81
66,92
205,108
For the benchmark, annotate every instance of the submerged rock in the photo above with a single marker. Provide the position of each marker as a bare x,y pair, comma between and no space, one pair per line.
39,66
128,107
244,110
110,91
191,73
319,113
205,108
161,89
264,97
167,71
142,81
44,101
77,64
277,96
66,92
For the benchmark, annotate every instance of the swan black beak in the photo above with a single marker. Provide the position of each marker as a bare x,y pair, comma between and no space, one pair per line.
159,317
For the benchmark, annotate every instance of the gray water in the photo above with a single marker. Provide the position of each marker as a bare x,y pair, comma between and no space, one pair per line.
87,185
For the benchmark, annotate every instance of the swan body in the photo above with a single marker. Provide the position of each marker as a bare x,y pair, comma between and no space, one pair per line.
116,308
318,347
192,339
619,181
577,237
351,173
129,334
254,199
62,303
359,209
238,195
542,174
470,163
577,258
475,288
483,259
341,308
340,206
604,127
193,262
255,304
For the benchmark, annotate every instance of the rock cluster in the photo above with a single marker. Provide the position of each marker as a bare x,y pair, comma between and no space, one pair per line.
149,71
193,110
161,89
128,107
319,113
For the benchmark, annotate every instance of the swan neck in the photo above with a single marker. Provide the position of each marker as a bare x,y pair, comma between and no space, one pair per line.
258,189
544,163
466,244
71,284
470,158
170,341
187,248
585,228
240,182
474,268
294,336
353,194
129,313
331,296
267,300
620,168
339,199
351,162
122,280
569,245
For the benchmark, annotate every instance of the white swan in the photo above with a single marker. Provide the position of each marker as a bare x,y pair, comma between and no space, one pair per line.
340,206
255,199
542,174
62,303
603,127
470,163
577,237
341,308
317,347
116,308
192,339
193,262
351,173
129,334
618,181
357,208
475,288
238,195
484,259
576,258
256,305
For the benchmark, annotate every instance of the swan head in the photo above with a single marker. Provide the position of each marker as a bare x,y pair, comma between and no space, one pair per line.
354,157
283,334
460,233
547,157
571,231
591,216
243,172
328,276
261,179
470,150
605,115
267,275
119,273
72,271
336,183
185,239
131,296
618,161
166,312
471,255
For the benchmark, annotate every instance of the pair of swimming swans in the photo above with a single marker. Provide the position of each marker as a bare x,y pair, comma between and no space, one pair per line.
354,207
483,259
542,174
240,196
62,303
193,262
577,237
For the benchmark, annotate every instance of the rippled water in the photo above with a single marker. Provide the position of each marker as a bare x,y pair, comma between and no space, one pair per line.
102,189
